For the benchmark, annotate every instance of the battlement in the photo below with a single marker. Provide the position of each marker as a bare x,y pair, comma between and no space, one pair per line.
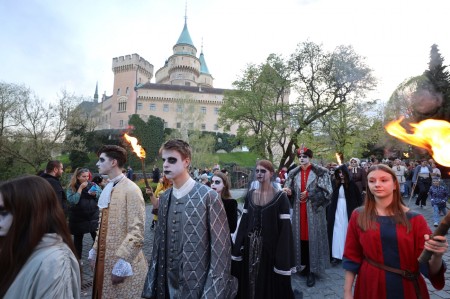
131,60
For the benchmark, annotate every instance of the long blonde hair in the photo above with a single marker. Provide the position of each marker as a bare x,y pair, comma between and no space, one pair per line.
367,218
74,180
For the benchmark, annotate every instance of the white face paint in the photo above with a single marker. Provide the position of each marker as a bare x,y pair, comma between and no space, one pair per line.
262,174
173,164
303,159
217,184
105,164
6,218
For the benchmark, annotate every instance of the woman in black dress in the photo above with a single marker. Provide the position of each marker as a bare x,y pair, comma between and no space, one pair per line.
221,185
263,252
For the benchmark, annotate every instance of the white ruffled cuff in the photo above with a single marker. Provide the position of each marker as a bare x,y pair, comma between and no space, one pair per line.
92,254
122,268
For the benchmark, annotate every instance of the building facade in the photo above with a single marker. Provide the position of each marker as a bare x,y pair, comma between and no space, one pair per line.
183,94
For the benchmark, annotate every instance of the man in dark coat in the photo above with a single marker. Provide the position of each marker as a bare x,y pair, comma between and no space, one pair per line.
52,174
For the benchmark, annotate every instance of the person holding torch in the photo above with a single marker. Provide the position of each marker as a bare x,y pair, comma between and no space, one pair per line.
384,241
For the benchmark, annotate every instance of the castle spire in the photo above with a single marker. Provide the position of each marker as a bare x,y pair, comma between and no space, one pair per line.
96,93
185,13
185,37
203,66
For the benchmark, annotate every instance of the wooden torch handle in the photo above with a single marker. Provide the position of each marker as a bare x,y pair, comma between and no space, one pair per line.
441,230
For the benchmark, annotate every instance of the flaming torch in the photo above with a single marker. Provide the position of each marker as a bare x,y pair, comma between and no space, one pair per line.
434,136
338,158
140,152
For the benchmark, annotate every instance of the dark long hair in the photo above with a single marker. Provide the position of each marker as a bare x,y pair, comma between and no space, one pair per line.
367,218
343,168
36,211
226,185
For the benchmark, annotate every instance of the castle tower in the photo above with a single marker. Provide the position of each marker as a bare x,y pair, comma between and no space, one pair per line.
129,71
205,79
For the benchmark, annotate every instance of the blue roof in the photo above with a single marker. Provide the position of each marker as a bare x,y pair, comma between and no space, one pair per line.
203,66
185,38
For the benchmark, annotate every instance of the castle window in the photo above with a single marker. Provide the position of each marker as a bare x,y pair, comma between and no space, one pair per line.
216,110
180,108
166,108
127,91
139,106
203,126
203,110
121,123
122,105
152,107
216,127
118,91
166,125
178,125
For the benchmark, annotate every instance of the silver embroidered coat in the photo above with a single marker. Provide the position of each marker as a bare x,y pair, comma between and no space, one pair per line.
205,261
319,190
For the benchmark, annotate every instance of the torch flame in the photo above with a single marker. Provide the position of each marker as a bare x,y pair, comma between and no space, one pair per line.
140,152
406,155
338,158
430,134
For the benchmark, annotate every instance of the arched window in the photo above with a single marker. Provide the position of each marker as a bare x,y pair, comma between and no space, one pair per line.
122,105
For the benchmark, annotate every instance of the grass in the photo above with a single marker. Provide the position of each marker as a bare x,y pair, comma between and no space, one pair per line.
243,159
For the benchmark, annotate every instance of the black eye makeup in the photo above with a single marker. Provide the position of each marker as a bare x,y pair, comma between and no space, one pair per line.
260,171
303,156
217,182
171,160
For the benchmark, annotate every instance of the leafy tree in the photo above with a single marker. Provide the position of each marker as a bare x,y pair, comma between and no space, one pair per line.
37,129
150,135
324,82
259,105
439,77
346,128
78,159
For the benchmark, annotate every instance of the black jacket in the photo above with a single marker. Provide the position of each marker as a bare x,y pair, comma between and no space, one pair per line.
84,216
60,193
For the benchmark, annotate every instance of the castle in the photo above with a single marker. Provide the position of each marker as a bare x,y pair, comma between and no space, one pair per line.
183,94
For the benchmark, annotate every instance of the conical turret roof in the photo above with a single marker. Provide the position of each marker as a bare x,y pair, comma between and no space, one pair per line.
203,66
185,37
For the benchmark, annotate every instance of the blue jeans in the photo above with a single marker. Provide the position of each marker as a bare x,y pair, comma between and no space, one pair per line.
408,188
436,210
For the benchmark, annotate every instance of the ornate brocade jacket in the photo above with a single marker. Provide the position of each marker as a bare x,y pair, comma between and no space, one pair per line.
200,233
320,191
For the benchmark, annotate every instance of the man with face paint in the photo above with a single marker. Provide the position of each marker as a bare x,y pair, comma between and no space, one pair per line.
310,186
120,264
191,255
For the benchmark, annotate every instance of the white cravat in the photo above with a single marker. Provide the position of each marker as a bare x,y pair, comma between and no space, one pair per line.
105,197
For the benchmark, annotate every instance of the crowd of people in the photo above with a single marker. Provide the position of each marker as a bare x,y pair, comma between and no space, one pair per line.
303,219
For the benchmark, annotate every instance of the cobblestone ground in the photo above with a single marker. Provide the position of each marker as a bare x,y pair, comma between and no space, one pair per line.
329,285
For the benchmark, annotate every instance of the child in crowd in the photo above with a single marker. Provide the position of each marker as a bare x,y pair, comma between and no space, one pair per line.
439,197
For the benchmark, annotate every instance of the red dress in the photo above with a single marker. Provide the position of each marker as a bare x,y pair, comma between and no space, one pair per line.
391,245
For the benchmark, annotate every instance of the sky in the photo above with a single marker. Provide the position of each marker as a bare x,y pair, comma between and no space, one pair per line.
53,45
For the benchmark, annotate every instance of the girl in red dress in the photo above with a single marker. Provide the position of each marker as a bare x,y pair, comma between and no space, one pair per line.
384,237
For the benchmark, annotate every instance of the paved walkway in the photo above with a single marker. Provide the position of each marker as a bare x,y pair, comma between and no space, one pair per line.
329,285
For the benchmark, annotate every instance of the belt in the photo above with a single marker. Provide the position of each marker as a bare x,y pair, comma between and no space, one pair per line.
406,274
